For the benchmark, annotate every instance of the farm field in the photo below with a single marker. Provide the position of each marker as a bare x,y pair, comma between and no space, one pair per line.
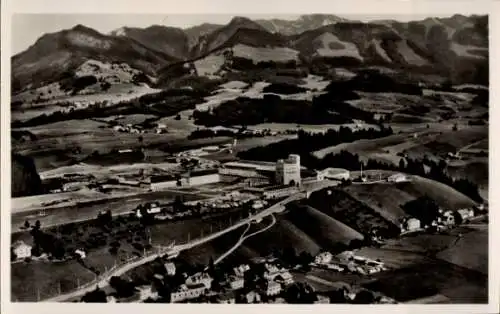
117,93
29,279
471,251
313,128
416,144
458,284
90,210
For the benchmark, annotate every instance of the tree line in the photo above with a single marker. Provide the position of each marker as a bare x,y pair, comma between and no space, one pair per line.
308,142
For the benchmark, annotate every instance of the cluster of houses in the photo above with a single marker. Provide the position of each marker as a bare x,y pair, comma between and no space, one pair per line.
232,200
128,128
348,261
444,220
22,251
138,129
272,283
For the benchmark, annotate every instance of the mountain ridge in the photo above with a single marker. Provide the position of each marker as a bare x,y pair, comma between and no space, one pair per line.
455,47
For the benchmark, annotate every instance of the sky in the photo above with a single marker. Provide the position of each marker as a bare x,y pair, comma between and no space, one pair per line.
27,28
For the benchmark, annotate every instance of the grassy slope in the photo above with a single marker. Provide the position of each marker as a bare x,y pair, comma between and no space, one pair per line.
323,228
471,251
444,195
384,198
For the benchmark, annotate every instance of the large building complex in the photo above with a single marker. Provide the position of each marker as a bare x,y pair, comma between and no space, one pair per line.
194,178
288,170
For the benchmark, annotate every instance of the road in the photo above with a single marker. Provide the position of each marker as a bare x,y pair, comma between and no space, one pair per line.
243,237
276,208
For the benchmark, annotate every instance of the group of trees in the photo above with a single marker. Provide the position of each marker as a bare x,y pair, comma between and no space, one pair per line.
423,208
306,143
47,243
272,108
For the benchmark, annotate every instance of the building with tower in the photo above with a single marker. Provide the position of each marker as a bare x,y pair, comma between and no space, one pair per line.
288,171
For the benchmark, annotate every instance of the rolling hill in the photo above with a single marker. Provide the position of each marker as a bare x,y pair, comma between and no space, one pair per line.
302,24
455,48
55,56
169,40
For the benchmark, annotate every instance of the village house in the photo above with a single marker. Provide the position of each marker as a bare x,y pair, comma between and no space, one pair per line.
284,278
146,292
336,267
272,288
186,292
170,267
236,282
200,278
412,224
22,250
448,218
323,258
399,177
272,271
80,253
345,256
466,213
252,297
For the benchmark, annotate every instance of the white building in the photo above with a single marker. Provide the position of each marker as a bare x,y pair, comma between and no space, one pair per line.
202,177
333,174
448,218
186,292
412,224
80,253
284,278
236,282
271,271
398,177
346,255
273,288
466,213
22,250
200,278
146,292
279,192
253,297
248,169
170,267
323,258
288,170
240,270
159,183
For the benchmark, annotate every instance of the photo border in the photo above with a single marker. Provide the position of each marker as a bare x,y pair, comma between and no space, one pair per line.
342,8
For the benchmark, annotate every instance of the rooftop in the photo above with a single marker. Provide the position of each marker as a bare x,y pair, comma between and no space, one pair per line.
163,178
203,172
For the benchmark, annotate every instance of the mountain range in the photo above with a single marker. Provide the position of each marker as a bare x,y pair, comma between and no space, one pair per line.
455,48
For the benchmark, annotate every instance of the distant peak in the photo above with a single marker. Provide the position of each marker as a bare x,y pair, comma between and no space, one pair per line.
84,29
122,31
80,27
239,20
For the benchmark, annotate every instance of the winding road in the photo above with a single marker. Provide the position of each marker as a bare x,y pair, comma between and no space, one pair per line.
243,237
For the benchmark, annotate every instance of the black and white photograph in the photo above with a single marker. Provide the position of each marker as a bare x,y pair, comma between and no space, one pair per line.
313,158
